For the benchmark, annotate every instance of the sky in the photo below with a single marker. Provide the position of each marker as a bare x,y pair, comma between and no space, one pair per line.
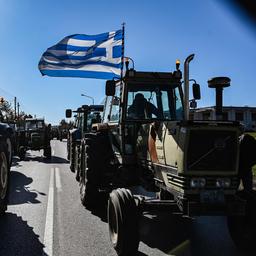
156,34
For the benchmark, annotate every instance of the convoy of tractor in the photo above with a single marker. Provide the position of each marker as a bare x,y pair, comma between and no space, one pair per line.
143,136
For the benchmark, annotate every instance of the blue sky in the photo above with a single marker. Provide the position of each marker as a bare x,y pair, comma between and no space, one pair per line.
157,33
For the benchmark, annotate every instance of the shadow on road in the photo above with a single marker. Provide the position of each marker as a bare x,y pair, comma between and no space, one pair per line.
19,193
213,231
42,159
179,236
101,209
56,160
18,238
165,232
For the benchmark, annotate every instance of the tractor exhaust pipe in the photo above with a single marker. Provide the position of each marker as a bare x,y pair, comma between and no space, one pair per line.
219,83
186,85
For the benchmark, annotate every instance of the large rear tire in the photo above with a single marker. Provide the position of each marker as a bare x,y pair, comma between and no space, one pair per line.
95,162
89,193
68,146
72,157
242,229
123,222
4,180
78,162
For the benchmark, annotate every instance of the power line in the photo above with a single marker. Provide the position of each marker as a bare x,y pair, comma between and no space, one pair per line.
6,92
11,99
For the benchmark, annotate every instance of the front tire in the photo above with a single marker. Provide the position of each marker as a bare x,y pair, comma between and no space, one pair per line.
9,150
22,152
4,180
48,152
123,222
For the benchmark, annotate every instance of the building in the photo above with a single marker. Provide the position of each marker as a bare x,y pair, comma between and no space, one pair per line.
246,115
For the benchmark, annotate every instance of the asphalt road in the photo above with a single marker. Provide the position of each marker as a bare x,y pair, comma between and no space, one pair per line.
45,217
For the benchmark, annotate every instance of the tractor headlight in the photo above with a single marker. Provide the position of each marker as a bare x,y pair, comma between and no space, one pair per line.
197,182
223,183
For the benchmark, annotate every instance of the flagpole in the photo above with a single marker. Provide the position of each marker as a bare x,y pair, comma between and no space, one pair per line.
122,58
121,109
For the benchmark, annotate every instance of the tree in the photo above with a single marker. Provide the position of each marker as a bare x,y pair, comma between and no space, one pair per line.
7,113
5,106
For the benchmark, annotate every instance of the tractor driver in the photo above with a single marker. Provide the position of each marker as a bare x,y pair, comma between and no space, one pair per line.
141,108
97,118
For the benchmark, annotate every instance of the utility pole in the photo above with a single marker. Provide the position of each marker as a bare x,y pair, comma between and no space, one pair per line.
15,103
18,109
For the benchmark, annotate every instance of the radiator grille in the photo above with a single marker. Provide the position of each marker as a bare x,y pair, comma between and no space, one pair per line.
210,150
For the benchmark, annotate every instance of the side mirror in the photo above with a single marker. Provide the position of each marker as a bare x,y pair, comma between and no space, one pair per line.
110,88
193,104
196,91
68,113
115,101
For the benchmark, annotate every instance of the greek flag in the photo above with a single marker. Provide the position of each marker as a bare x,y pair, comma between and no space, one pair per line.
90,56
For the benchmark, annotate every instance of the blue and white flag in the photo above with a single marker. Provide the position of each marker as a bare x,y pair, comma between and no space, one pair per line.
90,56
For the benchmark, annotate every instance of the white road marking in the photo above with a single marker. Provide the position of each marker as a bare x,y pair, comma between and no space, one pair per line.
48,232
57,179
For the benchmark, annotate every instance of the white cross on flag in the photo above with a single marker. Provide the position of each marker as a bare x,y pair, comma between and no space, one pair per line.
79,55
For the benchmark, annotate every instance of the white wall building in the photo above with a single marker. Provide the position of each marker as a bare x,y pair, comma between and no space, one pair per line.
246,115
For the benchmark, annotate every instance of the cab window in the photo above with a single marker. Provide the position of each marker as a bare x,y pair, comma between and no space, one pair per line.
114,116
154,102
107,109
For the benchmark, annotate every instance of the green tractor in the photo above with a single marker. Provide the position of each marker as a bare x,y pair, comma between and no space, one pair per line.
147,138
34,134
85,117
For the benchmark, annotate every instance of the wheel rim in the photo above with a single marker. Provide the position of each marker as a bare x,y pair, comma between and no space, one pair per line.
113,226
3,176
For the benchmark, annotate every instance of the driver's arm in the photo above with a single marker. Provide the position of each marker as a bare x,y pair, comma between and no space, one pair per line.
154,110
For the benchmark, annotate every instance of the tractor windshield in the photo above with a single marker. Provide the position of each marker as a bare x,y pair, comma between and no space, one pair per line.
154,102
93,118
34,124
